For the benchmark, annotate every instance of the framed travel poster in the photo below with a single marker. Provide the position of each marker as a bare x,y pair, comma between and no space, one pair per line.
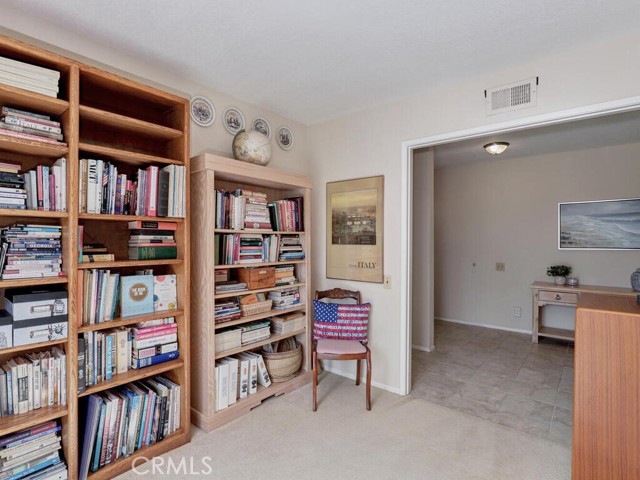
355,229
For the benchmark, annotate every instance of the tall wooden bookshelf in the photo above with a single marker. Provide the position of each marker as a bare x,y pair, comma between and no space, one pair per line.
210,172
132,125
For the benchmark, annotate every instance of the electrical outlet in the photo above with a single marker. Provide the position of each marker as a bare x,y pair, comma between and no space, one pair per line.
500,267
387,281
517,311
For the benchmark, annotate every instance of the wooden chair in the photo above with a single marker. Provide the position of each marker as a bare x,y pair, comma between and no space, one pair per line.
329,349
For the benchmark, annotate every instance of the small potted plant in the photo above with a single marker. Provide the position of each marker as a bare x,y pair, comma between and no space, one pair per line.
559,273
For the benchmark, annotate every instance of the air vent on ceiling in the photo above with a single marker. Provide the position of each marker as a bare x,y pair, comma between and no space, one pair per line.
514,96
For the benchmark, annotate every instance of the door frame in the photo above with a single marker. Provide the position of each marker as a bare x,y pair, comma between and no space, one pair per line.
408,147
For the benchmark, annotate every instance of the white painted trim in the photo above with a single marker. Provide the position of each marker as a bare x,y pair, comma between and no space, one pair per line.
421,348
563,116
484,325
352,376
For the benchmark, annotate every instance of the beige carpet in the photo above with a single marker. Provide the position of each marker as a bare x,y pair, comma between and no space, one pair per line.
401,438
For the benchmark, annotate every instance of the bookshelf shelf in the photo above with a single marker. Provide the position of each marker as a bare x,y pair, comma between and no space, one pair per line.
127,218
107,117
128,263
132,376
11,212
125,156
259,316
251,346
177,438
259,290
31,347
14,423
128,124
32,282
31,100
208,173
260,264
124,321
33,147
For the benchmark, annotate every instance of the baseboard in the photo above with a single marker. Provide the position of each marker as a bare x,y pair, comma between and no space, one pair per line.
495,327
353,377
422,349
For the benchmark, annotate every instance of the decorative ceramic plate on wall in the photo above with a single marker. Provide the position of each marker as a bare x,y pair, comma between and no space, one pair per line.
262,126
284,137
233,120
202,111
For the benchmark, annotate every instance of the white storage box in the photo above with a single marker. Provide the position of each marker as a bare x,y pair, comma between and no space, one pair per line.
30,303
228,340
39,330
6,329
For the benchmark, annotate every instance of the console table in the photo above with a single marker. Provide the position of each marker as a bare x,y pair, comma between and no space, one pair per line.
544,293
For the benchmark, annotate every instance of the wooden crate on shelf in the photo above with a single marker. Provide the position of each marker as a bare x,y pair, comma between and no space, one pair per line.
257,277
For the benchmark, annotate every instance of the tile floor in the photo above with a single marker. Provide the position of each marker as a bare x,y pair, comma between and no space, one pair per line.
499,376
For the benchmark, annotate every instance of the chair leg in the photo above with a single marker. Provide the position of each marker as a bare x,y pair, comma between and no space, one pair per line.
358,372
315,380
368,380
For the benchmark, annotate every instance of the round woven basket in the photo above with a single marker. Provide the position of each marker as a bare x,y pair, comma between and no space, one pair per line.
283,366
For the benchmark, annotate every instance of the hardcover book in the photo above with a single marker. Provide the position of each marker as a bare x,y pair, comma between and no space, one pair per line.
164,293
136,295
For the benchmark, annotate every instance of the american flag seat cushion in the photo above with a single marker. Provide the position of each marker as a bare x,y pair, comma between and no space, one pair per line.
340,321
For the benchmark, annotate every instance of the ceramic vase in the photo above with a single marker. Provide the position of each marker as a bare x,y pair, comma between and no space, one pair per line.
560,280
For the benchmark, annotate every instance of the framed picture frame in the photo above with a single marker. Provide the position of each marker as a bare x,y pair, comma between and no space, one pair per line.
261,125
202,111
284,137
233,120
599,225
355,229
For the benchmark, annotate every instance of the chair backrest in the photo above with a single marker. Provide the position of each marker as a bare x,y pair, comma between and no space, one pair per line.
342,322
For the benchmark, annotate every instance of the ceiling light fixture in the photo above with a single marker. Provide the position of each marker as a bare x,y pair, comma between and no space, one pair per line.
496,148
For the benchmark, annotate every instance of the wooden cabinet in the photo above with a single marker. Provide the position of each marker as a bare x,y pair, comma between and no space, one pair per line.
606,429
210,172
108,117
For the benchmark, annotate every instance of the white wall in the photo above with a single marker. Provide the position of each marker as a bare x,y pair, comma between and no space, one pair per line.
369,143
215,138
506,211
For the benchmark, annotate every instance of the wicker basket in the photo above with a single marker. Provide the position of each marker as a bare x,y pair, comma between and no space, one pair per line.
283,366
255,308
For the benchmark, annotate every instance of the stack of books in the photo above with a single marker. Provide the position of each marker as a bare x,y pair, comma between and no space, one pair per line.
33,381
255,332
152,240
287,298
152,192
285,275
290,248
120,421
29,77
230,286
30,251
46,187
221,275
30,126
227,310
33,454
153,345
12,191
286,215
95,252
242,248
255,214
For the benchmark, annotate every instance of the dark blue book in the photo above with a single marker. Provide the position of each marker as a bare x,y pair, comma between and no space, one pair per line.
147,362
93,409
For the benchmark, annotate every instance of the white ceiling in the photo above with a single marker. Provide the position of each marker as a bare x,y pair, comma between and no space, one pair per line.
597,132
313,60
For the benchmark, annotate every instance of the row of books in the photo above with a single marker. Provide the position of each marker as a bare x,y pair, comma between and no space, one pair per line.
245,209
227,310
120,421
154,191
42,188
152,240
33,454
285,298
29,77
30,126
33,381
104,354
245,248
30,251
105,293
238,376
